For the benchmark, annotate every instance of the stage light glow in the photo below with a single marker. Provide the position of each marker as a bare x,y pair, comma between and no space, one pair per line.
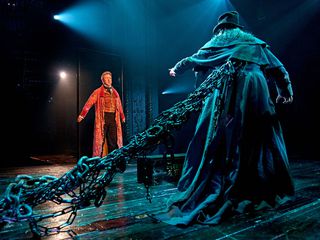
167,92
178,89
63,75
90,18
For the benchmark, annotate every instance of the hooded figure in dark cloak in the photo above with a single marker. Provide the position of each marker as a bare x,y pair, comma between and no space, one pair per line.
237,158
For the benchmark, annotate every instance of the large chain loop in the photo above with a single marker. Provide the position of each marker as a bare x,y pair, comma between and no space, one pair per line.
87,181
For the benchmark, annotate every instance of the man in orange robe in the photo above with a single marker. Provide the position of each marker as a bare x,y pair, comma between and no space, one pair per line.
108,117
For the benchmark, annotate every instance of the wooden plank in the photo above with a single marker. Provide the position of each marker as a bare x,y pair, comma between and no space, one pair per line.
124,213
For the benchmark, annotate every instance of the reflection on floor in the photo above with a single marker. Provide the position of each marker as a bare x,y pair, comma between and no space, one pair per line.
123,214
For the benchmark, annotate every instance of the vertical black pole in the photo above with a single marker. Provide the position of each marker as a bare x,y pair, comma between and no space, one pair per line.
78,110
121,79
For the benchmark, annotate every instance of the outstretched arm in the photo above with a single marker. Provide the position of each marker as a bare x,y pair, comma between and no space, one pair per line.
187,63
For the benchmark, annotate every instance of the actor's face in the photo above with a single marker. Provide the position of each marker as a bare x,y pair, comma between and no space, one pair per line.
107,80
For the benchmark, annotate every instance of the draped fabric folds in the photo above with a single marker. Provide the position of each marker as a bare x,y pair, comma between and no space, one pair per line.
237,158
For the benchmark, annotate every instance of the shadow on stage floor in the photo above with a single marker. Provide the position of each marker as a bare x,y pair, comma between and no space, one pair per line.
124,213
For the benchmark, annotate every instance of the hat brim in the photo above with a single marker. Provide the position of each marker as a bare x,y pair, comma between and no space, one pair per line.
226,25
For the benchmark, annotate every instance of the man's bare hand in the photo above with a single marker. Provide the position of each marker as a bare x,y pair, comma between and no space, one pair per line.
80,118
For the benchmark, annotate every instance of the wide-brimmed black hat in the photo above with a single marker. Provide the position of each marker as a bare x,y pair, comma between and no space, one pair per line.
227,20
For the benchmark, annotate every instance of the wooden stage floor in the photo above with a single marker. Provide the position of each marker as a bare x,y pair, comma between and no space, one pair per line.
123,214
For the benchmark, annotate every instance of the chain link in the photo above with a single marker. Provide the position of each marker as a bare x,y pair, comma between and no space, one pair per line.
87,181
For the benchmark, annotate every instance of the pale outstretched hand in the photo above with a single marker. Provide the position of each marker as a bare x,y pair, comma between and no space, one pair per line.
172,72
284,100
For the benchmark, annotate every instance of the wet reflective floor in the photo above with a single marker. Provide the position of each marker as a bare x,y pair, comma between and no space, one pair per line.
124,212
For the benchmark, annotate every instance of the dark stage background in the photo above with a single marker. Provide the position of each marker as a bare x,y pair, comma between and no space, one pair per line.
138,40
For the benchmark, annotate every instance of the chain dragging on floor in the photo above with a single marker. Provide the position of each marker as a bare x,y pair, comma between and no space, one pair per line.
86,183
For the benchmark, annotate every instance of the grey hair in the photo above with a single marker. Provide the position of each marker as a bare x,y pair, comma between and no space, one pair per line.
232,34
105,73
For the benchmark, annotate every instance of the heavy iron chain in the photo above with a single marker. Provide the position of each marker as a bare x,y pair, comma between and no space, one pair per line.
87,181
